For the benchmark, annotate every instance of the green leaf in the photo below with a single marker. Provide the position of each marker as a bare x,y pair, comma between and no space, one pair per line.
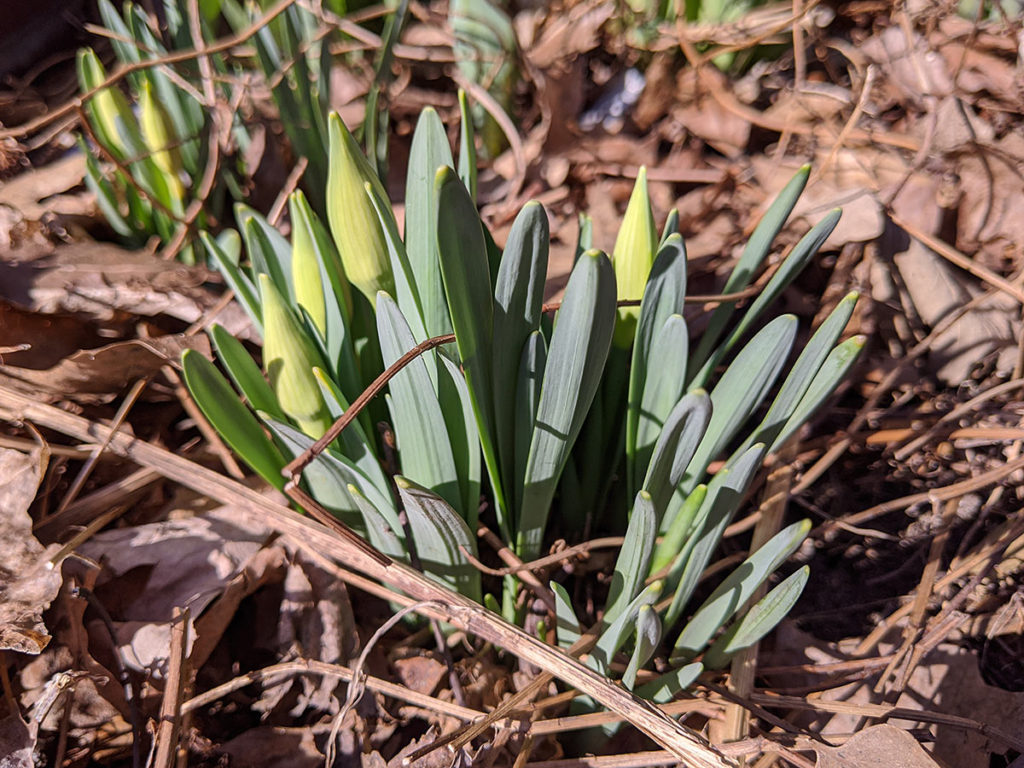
232,420
833,370
569,629
467,146
353,441
737,588
741,389
378,529
438,533
329,475
684,428
634,557
648,637
616,634
518,297
529,378
460,423
663,387
405,285
423,445
462,251
103,191
750,260
663,689
671,226
268,250
806,367
375,123
794,264
579,348
429,152
664,296
244,372
244,288
676,536
761,619
724,496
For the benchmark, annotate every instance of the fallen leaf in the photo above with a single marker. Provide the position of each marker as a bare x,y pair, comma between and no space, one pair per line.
703,116
937,290
420,673
909,66
273,747
49,337
878,745
949,681
992,183
36,192
28,583
102,280
17,742
149,570
946,681
98,375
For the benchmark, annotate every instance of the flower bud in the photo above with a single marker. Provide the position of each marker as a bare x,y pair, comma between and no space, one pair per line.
161,141
354,223
635,248
111,117
289,358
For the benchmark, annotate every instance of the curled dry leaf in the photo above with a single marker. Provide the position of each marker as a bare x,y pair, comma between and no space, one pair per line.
97,375
878,745
102,280
27,582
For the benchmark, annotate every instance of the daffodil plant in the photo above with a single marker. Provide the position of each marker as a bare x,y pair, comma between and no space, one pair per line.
152,135
500,412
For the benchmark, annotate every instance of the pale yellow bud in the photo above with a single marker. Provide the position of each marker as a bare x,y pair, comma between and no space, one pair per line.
635,248
354,223
289,358
158,135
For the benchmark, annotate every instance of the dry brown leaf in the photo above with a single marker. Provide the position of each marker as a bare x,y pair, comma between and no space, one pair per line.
101,280
17,742
937,289
992,183
706,118
563,37
420,673
36,192
97,375
314,620
946,681
909,66
149,570
876,746
28,583
949,680
810,106
273,747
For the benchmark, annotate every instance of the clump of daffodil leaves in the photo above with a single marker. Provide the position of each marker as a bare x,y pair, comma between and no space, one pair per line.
600,417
